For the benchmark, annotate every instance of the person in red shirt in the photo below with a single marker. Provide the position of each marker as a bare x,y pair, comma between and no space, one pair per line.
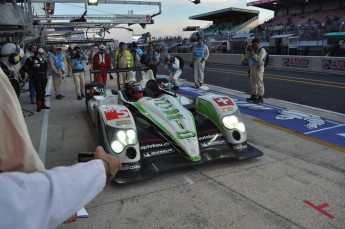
101,61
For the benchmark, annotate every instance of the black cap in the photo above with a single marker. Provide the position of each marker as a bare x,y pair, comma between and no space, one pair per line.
199,38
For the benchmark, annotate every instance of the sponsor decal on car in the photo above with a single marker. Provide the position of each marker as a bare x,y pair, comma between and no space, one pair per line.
130,167
124,121
211,140
112,113
154,145
158,152
240,147
212,143
223,101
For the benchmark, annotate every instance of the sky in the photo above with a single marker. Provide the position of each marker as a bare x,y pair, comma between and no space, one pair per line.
173,18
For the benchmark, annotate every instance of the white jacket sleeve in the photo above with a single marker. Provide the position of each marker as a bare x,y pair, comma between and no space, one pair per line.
17,152
47,198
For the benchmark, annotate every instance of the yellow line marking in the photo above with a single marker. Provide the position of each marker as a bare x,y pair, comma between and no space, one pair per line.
310,138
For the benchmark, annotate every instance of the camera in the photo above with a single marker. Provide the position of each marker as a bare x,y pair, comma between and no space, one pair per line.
250,48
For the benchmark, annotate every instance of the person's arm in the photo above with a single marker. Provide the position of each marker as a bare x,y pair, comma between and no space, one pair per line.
46,198
193,58
176,63
155,58
260,57
206,52
28,66
72,63
116,55
54,195
52,64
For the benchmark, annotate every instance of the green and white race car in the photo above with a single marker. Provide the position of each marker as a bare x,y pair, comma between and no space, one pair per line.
162,131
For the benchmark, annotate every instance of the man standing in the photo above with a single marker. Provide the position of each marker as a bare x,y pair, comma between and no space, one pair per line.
174,66
68,60
28,55
257,55
122,59
152,59
136,55
200,55
37,67
57,72
78,72
101,61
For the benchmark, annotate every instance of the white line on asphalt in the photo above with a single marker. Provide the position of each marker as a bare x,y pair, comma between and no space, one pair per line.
315,108
332,127
44,133
190,181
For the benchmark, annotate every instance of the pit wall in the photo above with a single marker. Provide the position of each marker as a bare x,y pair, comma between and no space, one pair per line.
333,65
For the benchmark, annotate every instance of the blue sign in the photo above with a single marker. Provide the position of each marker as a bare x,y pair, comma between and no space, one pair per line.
301,122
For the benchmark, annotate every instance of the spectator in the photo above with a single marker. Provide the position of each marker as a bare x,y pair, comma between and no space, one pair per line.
173,65
57,72
151,59
136,56
256,62
122,59
37,67
200,54
78,72
10,61
28,55
46,198
101,61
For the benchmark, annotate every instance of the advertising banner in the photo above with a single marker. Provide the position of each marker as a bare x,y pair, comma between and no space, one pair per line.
336,65
296,62
132,18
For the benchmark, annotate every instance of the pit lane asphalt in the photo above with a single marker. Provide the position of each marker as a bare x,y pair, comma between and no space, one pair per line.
267,192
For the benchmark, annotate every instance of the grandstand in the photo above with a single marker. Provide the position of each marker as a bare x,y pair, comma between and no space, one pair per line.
225,24
308,20
297,27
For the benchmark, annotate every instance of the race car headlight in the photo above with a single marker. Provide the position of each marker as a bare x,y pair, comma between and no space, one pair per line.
120,138
117,146
131,136
231,122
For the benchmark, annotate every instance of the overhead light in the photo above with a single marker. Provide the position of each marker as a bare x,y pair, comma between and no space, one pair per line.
195,1
92,2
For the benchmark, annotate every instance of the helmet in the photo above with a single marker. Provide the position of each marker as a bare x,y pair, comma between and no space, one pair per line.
13,52
134,90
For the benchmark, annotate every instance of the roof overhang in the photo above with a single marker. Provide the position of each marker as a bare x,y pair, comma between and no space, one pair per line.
215,15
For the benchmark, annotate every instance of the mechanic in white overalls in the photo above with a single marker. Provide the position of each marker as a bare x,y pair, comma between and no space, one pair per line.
257,66
200,55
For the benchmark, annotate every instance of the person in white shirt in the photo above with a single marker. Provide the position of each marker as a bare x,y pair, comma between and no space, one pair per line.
173,65
46,198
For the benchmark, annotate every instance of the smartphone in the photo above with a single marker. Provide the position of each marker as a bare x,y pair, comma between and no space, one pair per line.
85,156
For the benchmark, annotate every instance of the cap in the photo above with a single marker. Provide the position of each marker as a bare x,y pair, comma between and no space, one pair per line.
199,38
102,47
40,50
